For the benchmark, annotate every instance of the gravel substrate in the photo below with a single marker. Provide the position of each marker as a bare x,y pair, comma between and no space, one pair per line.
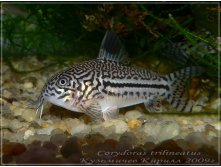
136,137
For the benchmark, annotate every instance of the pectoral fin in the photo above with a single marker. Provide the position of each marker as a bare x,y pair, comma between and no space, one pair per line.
93,109
111,113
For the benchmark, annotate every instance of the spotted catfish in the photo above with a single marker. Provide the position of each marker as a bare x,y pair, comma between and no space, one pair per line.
100,87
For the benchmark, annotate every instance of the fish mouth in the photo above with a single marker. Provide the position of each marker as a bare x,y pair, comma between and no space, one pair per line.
43,98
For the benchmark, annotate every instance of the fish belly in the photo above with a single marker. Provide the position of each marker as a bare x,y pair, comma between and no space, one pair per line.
120,102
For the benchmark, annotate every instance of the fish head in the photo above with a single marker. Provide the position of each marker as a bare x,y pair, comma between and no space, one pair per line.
59,90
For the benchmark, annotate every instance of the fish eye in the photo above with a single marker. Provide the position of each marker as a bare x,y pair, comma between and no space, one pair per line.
62,82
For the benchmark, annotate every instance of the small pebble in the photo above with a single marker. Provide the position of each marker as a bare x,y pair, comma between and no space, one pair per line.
16,108
18,136
28,133
93,139
141,136
215,104
6,159
18,111
50,146
152,129
149,146
215,144
169,146
45,131
7,94
15,125
34,144
197,108
109,127
128,138
112,143
134,124
5,123
46,124
199,122
28,85
6,134
212,134
71,146
14,105
60,125
70,123
169,130
57,131
120,126
199,128
58,139
35,156
184,121
13,148
81,129
37,137
127,141
103,130
217,125
134,114
29,115
195,140
75,159
183,144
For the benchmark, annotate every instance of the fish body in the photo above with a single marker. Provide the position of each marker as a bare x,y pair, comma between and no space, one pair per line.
100,87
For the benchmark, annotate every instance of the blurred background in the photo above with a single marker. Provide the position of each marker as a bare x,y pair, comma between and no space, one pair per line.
149,31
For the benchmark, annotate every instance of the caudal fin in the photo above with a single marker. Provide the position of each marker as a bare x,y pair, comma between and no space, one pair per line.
177,84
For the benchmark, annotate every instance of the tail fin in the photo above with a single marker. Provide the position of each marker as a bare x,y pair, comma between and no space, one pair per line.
177,82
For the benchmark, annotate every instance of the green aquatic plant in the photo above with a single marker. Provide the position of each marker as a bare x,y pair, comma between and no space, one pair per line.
208,60
46,30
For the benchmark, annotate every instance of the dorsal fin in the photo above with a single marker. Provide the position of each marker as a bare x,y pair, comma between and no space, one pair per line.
112,48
